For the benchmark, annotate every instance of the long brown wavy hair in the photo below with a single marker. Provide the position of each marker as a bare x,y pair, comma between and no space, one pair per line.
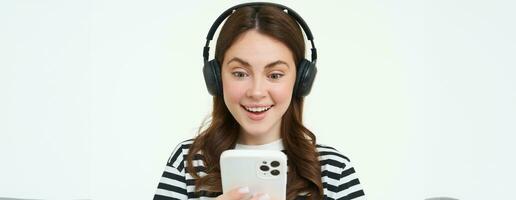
222,132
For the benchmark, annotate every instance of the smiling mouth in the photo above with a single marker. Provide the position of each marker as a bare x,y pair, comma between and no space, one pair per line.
257,109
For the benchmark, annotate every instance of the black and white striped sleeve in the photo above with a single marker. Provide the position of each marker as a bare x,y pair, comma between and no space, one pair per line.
349,185
339,178
172,184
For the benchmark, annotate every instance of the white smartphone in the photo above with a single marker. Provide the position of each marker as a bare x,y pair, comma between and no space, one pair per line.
263,171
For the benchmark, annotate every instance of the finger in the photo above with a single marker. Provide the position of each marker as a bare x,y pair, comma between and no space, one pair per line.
261,197
235,194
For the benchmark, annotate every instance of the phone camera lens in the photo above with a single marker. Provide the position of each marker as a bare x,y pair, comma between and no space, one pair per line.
274,163
275,172
264,168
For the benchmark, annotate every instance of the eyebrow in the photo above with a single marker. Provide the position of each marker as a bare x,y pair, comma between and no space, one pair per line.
246,64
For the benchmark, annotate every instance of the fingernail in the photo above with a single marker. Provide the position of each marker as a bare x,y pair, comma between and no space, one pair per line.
264,197
243,190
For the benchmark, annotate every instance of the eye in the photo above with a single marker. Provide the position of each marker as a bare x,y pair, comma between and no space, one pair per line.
276,76
239,74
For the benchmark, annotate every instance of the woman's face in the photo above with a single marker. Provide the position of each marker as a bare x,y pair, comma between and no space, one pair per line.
258,76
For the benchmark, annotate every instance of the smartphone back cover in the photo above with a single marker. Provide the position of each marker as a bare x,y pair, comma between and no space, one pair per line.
263,171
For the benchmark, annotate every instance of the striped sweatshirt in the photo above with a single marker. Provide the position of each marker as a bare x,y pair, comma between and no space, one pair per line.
338,175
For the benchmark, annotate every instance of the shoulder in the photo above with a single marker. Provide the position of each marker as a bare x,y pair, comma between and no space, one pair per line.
330,156
179,153
338,174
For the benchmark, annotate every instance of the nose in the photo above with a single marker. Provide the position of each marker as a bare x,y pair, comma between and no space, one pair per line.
258,89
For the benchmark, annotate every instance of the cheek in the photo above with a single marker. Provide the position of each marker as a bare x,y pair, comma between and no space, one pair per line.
282,94
233,92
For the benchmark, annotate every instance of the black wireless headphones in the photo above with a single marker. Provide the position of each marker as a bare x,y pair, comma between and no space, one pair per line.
306,70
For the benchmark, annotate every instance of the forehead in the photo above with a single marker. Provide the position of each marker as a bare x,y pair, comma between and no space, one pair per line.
258,49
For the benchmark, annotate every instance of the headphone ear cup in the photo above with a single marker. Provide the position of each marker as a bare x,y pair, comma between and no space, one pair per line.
211,72
305,78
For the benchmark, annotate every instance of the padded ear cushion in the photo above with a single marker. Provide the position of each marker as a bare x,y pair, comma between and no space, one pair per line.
211,72
305,78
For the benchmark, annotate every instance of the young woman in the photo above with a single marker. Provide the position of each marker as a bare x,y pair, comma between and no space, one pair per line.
259,78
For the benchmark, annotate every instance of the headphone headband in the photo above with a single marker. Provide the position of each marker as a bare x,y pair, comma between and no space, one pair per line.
230,11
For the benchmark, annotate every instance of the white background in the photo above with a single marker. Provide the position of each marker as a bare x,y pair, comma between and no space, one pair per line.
94,95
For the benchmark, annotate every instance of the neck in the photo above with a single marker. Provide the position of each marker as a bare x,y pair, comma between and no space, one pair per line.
249,139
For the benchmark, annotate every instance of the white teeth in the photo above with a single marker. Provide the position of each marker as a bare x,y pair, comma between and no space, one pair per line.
257,109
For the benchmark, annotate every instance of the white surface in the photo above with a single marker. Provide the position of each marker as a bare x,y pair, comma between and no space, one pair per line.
96,94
